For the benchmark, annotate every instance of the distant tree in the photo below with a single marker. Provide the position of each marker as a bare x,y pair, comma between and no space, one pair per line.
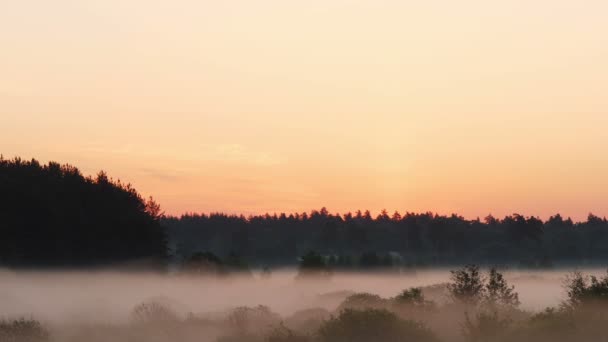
235,263
498,292
369,260
203,263
586,290
467,285
313,264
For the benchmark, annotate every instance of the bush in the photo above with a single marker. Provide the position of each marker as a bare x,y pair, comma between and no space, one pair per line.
485,327
412,296
258,320
411,303
308,320
22,330
283,334
370,326
153,313
585,291
362,301
549,325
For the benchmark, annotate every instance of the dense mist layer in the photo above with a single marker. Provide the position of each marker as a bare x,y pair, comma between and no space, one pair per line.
287,306
110,297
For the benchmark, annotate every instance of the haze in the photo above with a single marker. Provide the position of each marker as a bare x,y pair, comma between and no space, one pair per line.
247,107
109,297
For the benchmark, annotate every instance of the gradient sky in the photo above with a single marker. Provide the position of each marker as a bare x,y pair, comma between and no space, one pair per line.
470,106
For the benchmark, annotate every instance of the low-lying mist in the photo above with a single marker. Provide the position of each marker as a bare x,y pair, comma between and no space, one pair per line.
104,306
110,297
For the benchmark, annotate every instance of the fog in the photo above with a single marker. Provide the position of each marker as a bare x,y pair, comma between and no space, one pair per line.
110,297
103,305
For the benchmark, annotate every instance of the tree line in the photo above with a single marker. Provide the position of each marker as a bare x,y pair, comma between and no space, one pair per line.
360,240
53,215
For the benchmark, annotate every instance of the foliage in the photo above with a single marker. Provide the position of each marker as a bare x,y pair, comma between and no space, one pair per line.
415,239
203,263
485,327
498,292
411,296
584,291
22,330
313,264
51,215
283,334
470,287
244,320
467,285
372,325
362,301
153,312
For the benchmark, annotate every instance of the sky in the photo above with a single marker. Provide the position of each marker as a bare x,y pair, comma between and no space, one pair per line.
469,107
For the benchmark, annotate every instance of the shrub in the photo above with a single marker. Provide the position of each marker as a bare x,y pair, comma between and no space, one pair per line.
411,296
22,330
372,325
583,291
283,334
153,312
485,327
411,303
257,320
362,301
308,320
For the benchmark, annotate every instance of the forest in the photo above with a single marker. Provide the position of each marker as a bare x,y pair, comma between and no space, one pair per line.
53,216
360,241
230,272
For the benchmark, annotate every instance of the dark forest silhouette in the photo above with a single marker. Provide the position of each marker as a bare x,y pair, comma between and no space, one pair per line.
52,215
362,241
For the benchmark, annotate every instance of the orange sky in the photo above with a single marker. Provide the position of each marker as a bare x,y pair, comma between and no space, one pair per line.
469,106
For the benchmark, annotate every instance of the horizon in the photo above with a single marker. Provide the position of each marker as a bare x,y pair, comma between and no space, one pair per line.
309,212
248,108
